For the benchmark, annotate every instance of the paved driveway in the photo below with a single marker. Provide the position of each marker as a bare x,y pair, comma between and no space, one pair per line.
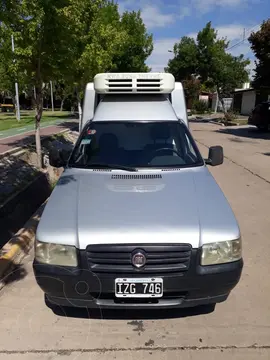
238,328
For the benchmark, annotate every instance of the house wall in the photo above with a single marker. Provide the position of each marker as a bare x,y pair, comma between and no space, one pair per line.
248,102
204,98
237,102
214,102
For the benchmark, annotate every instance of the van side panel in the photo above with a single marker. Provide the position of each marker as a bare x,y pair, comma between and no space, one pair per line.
89,105
179,102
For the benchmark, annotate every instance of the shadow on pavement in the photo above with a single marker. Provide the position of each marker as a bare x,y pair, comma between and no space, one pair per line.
9,270
17,272
199,121
149,314
246,132
72,125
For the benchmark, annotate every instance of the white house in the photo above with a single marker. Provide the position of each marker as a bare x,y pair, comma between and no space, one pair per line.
245,99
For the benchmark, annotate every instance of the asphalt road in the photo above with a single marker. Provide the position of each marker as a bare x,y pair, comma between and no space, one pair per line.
238,328
15,138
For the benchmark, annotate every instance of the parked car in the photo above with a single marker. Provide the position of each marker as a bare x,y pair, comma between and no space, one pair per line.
136,219
260,116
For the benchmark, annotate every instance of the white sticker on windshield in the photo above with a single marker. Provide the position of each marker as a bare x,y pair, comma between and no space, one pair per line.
85,141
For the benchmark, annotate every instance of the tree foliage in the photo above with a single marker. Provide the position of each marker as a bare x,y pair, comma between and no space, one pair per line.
185,61
207,59
136,47
216,66
260,44
68,41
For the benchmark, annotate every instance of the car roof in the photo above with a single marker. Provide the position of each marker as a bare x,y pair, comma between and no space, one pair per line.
135,107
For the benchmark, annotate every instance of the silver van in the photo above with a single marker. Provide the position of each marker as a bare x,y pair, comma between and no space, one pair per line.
136,219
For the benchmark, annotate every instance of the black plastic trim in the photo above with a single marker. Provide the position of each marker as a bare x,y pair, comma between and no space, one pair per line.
162,258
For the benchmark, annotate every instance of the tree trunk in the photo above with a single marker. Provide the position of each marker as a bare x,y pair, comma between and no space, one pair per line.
38,144
62,104
15,105
220,98
39,109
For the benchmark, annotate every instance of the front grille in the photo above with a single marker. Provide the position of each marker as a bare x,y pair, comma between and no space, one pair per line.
159,258
141,176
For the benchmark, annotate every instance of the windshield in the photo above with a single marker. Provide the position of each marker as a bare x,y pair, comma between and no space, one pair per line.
120,144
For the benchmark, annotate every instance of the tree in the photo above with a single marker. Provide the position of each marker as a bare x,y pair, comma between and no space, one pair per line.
192,87
105,42
207,59
96,38
71,41
184,64
41,33
184,67
260,44
137,47
219,68
9,73
62,90
6,81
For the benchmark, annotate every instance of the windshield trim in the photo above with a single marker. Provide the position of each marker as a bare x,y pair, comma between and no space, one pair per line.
198,163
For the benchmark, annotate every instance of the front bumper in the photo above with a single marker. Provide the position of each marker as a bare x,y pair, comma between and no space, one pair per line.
81,287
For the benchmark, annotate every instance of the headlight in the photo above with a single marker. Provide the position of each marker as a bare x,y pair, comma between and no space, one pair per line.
56,254
221,252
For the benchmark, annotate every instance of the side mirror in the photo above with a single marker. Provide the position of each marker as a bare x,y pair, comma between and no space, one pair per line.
215,156
58,158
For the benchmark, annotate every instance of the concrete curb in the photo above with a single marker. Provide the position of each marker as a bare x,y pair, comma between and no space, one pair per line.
216,123
19,246
10,152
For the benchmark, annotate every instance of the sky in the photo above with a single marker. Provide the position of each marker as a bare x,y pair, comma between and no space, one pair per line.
169,20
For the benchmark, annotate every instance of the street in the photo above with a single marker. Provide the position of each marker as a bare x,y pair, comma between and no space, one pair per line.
238,328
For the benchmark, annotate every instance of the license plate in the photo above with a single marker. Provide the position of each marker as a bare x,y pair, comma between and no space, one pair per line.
139,288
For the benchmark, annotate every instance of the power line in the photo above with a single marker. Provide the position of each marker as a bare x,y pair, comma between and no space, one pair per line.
245,32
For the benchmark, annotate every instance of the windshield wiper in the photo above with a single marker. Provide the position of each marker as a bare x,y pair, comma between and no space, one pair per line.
105,166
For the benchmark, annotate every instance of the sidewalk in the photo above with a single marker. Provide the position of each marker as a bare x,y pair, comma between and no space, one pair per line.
17,141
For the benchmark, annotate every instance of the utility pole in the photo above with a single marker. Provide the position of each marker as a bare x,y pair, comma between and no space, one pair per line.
52,97
18,114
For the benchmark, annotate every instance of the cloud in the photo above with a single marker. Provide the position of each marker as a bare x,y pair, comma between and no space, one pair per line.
160,56
205,6
231,31
125,5
160,13
184,12
153,17
154,13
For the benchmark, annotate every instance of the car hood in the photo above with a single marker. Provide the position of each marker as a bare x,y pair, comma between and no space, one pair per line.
102,207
